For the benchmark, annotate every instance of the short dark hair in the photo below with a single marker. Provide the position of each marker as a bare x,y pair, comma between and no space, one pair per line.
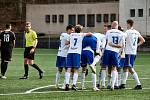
8,26
69,27
78,29
120,28
108,26
130,22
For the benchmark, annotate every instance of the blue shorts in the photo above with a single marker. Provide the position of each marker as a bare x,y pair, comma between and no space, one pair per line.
61,61
110,58
129,60
87,57
73,60
121,62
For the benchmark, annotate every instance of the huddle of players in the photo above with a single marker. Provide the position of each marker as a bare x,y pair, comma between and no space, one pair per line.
116,49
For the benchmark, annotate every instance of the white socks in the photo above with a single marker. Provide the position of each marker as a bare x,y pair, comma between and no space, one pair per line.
124,77
94,80
109,80
117,80
135,76
114,76
103,77
75,78
82,79
96,60
57,77
67,77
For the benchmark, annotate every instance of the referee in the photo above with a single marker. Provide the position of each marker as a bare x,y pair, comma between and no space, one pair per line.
7,42
31,43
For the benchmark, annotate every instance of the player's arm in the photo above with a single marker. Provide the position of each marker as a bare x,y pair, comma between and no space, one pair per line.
14,40
141,40
0,43
35,42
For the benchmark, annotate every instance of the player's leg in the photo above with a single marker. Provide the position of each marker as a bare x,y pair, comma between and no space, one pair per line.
4,65
133,72
6,54
60,63
95,61
26,63
31,62
124,78
115,63
84,67
75,78
76,66
109,77
68,70
125,72
58,73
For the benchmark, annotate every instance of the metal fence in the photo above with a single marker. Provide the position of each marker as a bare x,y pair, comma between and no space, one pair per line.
43,41
49,41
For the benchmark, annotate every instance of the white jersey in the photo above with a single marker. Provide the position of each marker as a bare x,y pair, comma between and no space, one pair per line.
63,48
114,36
101,38
131,41
76,43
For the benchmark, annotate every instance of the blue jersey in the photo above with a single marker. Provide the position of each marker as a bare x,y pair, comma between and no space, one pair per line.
89,41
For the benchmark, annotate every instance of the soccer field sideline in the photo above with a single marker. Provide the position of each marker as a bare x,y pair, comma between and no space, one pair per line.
31,91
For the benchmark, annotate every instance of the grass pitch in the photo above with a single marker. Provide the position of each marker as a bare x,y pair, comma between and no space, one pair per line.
14,89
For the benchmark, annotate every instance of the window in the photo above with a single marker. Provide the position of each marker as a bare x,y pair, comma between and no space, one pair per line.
132,12
105,18
54,18
61,18
140,12
47,18
149,12
72,20
99,18
81,20
112,17
90,20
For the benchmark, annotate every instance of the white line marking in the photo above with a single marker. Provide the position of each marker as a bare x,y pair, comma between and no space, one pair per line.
58,92
31,91
35,54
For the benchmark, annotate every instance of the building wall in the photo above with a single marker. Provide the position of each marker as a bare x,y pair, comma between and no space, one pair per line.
36,14
141,23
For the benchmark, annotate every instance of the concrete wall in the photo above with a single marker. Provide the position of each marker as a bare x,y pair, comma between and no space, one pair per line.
142,24
36,14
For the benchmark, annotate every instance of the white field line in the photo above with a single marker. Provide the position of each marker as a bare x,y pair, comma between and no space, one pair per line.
31,91
56,54
9,94
35,54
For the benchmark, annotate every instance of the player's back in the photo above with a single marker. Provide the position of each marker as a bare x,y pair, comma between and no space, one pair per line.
63,48
76,43
7,38
101,38
131,41
114,36
89,41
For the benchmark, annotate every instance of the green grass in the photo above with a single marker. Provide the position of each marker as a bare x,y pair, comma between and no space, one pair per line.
46,58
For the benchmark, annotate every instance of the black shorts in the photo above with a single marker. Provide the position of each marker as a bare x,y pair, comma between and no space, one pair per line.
27,53
6,53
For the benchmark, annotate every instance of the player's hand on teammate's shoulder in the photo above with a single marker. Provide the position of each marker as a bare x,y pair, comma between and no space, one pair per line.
88,34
